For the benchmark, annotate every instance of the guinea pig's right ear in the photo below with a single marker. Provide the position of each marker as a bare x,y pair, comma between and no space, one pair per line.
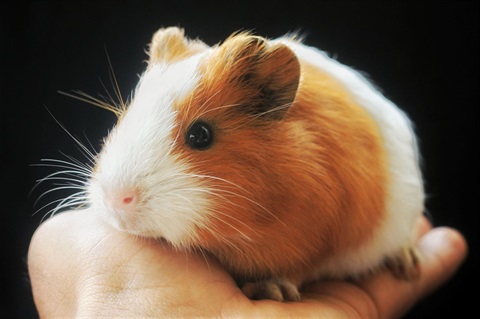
170,45
277,74
270,73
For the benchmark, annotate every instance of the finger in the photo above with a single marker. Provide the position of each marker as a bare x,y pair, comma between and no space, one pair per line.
442,249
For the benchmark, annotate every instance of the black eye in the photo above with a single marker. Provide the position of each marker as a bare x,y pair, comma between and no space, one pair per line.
199,136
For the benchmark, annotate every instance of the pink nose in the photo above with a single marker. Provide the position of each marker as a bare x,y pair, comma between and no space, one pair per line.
124,200
129,199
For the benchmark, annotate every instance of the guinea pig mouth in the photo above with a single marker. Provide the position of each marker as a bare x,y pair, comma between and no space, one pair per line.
124,221
121,207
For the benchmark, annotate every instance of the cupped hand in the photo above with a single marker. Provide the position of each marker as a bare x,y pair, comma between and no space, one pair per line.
81,267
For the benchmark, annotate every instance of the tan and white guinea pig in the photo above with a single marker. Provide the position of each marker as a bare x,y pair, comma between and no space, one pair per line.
284,164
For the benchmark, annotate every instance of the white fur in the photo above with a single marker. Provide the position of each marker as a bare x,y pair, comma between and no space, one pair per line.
405,192
137,157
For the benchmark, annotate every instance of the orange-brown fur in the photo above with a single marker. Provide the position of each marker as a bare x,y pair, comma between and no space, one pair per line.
318,172
170,45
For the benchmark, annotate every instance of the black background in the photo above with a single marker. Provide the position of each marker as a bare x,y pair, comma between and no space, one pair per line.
424,56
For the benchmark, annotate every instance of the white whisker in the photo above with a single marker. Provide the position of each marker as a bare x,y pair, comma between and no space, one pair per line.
217,211
54,190
81,164
116,87
72,175
77,141
230,183
62,164
74,200
84,97
204,105
216,109
243,197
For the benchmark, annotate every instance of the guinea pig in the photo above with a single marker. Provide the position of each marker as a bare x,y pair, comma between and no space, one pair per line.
282,163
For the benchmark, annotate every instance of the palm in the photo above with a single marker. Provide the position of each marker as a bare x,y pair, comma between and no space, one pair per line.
98,271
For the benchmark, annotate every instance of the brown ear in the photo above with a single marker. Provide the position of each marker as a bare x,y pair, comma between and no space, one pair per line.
170,45
278,76
272,71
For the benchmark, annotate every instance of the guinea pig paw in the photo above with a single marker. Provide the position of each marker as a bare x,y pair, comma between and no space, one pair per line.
277,289
405,264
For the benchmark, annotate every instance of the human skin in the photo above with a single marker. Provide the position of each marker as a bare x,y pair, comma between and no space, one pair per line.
81,267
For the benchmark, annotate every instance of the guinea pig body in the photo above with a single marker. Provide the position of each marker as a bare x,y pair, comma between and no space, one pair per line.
282,163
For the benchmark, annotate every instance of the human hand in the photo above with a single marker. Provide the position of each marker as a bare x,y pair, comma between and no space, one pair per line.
79,266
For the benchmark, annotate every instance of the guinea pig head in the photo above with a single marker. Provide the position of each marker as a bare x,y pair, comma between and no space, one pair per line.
192,157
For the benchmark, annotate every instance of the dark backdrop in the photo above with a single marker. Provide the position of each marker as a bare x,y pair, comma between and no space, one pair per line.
424,56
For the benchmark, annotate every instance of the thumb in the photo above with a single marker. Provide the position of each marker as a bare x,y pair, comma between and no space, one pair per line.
443,251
